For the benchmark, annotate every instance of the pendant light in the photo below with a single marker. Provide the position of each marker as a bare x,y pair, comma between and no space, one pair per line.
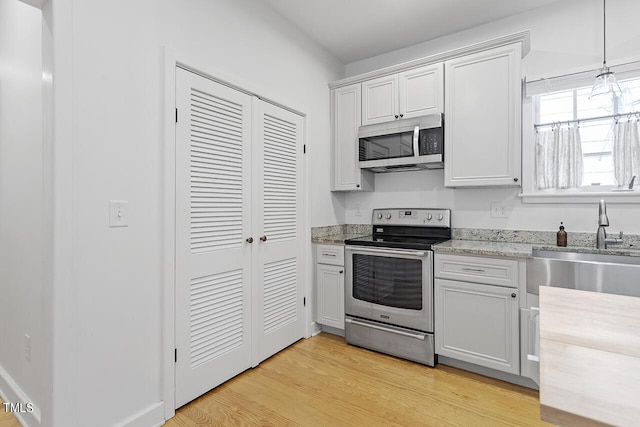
606,83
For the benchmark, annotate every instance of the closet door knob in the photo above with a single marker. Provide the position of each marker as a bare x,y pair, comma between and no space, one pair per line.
263,239
250,240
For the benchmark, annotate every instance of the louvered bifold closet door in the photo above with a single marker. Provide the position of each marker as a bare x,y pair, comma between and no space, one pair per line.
213,259
277,185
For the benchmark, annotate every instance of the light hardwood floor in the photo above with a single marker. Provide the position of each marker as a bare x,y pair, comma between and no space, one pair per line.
7,419
322,381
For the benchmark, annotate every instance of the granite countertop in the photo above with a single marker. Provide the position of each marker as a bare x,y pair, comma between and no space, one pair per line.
521,250
477,247
335,239
337,234
611,250
490,242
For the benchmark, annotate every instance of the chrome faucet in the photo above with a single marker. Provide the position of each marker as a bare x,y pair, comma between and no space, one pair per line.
601,236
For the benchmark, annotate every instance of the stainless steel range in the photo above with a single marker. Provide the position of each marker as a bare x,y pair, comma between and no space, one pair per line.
389,283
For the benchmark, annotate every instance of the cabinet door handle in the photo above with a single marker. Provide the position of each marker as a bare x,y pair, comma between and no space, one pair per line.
328,254
341,271
401,115
249,239
515,179
263,239
396,116
475,270
513,295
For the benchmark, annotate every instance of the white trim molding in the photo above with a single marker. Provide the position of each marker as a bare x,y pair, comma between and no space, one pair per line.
11,392
586,197
521,37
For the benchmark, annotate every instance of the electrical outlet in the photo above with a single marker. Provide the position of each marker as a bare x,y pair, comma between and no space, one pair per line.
358,210
27,347
498,210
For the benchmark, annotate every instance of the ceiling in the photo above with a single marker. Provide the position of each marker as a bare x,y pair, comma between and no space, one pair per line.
357,29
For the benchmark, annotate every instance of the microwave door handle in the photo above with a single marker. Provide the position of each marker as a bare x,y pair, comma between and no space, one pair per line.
416,138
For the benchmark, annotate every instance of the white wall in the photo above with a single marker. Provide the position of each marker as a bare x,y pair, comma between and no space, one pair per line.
108,142
566,36
248,45
21,205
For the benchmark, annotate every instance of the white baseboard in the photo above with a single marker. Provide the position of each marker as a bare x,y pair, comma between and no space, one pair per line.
488,372
152,415
332,330
315,329
11,392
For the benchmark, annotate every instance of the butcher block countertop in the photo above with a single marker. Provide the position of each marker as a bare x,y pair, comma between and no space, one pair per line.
589,358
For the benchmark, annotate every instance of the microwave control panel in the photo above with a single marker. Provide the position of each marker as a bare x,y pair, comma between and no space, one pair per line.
431,141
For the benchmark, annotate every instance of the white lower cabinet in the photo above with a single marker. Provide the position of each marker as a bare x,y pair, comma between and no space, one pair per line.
330,285
330,296
476,322
530,343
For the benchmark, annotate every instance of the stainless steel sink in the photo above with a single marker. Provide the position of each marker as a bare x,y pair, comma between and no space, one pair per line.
613,274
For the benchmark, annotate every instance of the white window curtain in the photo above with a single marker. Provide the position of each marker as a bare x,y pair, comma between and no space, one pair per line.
626,150
558,158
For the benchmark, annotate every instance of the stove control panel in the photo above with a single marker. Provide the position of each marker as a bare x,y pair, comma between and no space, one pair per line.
413,217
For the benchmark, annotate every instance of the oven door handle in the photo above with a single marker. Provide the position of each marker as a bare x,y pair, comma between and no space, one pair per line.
364,249
382,328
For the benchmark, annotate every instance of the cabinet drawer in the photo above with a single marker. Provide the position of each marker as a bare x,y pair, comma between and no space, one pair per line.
330,254
491,271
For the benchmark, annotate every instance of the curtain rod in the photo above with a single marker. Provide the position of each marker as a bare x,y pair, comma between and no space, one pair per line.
589,119
635,63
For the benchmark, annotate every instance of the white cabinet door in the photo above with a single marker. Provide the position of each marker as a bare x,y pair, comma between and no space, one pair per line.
483,98
278,319
330,295
345,120
239,277
477,324
380,100
421,91
530,343
411,93
213,219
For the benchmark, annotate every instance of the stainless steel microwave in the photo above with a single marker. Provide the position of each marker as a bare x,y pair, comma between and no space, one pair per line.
405,144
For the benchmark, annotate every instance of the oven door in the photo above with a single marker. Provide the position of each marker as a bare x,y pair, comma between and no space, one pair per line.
393,286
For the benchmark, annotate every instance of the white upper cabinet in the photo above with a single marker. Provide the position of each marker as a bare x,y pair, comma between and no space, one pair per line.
380,100
421,91
345,121
483,98
408,94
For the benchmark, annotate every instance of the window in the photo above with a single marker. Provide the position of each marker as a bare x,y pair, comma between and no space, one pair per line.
595,120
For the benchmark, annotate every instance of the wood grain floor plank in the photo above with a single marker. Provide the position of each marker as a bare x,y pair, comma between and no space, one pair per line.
7,419
322,381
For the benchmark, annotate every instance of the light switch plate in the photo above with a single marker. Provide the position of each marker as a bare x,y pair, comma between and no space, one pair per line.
118,213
